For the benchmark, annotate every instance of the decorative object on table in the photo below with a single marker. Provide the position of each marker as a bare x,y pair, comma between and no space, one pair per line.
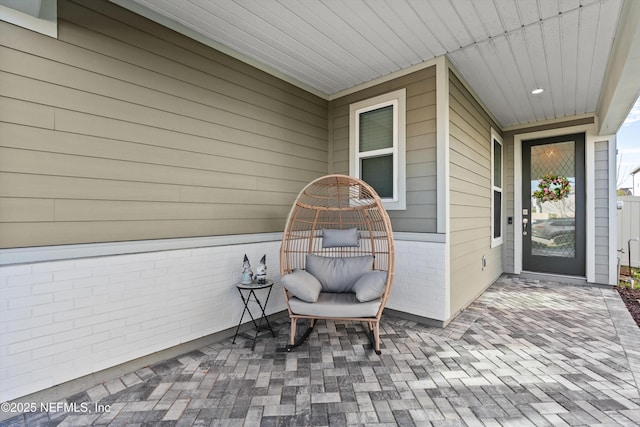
261,270
247,274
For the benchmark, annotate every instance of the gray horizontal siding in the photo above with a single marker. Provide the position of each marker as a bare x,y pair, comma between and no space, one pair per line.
420,215
470,197
601,175
124,130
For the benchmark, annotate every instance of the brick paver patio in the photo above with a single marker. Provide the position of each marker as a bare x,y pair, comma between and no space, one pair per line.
524,354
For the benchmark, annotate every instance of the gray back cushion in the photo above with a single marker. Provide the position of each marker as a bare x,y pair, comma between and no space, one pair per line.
338,274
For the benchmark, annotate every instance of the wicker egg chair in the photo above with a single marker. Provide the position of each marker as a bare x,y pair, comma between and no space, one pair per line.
337,202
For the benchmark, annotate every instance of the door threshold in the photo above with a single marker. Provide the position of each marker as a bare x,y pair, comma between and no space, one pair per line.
550,277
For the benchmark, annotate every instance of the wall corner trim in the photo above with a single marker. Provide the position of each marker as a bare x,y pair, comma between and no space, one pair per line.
442,167
442,137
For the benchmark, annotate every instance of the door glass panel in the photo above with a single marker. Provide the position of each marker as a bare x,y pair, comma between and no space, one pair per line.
553,200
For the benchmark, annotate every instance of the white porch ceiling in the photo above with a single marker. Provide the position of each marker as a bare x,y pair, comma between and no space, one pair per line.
502,48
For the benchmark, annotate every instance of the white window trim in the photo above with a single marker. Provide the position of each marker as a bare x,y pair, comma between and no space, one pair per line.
495,242
399,100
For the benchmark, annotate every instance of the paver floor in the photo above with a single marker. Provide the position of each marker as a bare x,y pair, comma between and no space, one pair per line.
525,353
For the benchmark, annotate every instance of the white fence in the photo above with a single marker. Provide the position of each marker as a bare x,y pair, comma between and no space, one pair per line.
629,228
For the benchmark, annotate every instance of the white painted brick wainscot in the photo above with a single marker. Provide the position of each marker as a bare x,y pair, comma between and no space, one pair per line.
61,319
419,280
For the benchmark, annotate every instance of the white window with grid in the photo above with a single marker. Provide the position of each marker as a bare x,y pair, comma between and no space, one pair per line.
377,146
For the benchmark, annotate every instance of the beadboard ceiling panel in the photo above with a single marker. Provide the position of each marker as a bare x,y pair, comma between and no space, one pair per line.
502,48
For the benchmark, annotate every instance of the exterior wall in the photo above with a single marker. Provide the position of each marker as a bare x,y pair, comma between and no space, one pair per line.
601,193
420,215
124,131
62,320
470,198
419,281
121,129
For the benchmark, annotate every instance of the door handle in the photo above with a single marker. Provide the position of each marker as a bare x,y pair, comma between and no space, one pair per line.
525,221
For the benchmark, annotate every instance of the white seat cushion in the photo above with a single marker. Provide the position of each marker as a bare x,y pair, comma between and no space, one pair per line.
337,305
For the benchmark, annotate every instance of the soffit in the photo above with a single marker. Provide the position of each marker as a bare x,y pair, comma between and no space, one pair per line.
30,7
502,48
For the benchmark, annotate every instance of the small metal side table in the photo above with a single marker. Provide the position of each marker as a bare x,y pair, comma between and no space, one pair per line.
248,294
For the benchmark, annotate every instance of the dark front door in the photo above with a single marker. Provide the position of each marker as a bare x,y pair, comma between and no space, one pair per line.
553,205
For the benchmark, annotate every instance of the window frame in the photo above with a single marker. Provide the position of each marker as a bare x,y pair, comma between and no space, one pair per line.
397,99
496,138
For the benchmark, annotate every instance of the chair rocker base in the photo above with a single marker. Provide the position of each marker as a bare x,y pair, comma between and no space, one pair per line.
372,334
303,338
